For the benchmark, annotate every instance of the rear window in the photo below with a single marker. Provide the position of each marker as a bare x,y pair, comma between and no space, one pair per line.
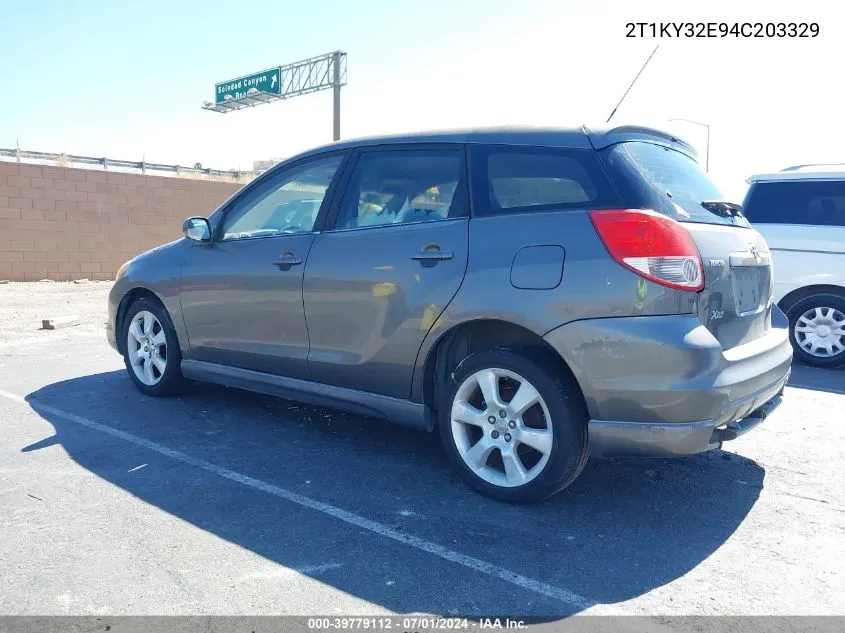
817,203
651,176
527,179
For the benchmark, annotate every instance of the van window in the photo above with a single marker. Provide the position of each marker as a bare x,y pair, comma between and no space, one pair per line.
525,179
652,176
814,202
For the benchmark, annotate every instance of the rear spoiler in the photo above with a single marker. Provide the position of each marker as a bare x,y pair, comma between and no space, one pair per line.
601,139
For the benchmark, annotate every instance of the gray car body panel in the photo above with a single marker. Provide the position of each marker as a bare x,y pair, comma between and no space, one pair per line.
159,272
660,386
572,138
669,368
240,309
720,312
369,305
396,410
592,285
638,349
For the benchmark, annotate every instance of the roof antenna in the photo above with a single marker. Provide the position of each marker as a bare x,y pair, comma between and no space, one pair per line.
632,83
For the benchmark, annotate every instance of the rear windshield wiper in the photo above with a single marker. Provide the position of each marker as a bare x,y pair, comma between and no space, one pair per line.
722,208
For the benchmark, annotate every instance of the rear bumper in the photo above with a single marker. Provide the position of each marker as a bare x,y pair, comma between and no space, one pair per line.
631,439
663,386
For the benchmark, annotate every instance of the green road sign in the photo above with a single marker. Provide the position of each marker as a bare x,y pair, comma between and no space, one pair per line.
269,81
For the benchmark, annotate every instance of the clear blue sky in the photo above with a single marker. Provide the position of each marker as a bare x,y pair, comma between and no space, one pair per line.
125,79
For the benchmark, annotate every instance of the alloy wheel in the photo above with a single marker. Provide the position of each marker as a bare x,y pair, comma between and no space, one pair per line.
146,348
501,427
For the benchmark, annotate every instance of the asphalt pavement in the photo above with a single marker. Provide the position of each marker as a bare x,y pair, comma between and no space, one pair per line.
221,501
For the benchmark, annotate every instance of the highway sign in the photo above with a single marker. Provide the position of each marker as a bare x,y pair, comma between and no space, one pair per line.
266,81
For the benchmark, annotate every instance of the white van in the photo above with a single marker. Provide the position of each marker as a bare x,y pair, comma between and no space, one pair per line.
801,213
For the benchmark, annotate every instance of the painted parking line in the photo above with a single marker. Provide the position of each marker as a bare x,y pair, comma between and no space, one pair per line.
476,564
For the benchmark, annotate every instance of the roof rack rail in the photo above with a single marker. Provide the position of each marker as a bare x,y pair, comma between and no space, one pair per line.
798,167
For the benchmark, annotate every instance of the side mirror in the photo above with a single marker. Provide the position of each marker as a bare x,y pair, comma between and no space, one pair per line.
197,229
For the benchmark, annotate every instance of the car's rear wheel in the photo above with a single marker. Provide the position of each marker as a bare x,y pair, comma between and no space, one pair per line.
151,349
514,424
817,330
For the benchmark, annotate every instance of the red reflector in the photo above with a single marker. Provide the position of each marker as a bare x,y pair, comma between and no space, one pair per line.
652,245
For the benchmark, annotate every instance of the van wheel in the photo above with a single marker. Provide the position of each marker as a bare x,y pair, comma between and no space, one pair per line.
514,424
817,330
151,349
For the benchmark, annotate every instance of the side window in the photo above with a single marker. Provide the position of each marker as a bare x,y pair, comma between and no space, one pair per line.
535,179
818,203
287,203
403,186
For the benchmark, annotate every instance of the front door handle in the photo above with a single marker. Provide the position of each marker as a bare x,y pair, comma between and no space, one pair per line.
287,259
432,252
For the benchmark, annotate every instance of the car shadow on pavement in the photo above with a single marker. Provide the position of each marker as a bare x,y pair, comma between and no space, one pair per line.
622,529
829,380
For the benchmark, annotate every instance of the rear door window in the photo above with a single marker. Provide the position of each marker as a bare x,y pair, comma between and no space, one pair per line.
404,186
652,176
810,202
527,179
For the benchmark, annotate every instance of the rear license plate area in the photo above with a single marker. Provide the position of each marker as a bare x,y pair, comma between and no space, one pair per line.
747,289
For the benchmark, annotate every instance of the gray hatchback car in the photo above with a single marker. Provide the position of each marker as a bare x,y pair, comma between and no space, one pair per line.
534,295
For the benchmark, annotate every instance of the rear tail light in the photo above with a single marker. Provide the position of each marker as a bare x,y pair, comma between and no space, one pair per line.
652,245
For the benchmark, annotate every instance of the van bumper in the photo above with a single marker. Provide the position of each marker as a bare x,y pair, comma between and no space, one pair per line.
662,386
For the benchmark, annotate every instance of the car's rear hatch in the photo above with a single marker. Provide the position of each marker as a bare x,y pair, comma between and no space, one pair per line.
661,175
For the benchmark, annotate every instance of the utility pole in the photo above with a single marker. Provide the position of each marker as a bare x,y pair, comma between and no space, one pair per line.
336,89
707,148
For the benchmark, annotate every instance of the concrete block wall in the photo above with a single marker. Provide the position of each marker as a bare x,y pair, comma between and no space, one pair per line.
66,223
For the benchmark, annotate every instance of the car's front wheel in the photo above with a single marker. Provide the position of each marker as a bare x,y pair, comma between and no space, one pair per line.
817,330
514,424
151,348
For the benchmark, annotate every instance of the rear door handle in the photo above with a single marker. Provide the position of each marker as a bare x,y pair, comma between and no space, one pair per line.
287,259
432,252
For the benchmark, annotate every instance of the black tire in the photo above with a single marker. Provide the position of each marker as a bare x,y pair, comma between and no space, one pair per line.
565,405
832,301
171,381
